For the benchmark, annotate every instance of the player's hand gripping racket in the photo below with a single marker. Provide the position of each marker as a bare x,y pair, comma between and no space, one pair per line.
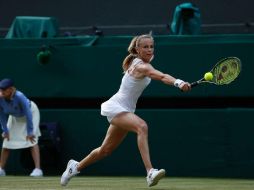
224,72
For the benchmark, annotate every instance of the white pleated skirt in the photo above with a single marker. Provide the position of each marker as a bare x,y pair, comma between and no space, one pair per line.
18,130
111,108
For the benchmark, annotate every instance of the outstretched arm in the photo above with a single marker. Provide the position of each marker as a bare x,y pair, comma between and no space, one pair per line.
150,71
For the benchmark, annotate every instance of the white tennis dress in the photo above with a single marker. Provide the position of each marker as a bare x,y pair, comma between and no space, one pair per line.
126,98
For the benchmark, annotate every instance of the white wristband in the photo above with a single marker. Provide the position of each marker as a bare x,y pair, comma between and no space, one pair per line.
178,82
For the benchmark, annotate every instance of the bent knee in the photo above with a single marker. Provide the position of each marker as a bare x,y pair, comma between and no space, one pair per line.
143,129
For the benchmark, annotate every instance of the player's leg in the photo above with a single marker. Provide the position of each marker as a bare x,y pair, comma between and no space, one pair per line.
132,122
114,137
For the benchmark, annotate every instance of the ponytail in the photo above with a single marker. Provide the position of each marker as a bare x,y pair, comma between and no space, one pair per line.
127,61
132,54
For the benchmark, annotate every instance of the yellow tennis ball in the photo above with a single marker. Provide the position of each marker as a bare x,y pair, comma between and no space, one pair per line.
208,76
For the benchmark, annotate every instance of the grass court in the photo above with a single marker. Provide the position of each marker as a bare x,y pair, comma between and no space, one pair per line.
123,183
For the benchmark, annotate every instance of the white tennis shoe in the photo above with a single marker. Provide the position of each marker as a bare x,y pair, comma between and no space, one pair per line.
154,176
71,170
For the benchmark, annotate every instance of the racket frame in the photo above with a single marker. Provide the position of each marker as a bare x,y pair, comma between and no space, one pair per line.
202,80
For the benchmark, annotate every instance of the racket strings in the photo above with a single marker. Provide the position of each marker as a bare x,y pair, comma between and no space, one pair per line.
227,71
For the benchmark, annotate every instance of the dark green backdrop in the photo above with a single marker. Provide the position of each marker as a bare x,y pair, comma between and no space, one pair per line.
90,67
210,137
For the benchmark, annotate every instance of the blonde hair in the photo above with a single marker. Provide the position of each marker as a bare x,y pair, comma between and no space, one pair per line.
132,50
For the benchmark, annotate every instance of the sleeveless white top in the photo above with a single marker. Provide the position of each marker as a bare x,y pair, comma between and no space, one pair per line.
126,98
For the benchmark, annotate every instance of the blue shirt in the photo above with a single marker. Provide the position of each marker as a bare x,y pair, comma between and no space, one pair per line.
18,106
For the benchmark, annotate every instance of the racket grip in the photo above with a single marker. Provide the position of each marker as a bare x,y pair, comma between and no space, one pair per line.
194,84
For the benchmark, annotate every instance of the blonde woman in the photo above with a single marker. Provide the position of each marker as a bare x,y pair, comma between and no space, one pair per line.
120,110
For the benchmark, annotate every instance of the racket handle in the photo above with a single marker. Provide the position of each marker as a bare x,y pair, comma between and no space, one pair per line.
194,84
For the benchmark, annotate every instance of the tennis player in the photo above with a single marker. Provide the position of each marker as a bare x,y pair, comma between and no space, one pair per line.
120,110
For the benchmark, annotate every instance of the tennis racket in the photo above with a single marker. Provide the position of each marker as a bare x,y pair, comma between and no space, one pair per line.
224,72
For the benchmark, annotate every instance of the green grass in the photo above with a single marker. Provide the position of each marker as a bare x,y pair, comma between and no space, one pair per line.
123,183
